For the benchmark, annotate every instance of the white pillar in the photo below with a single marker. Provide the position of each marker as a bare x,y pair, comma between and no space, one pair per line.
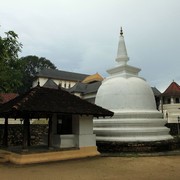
83,130
172,100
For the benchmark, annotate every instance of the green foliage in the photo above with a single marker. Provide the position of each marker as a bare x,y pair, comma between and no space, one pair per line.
16,75
10,74
30,66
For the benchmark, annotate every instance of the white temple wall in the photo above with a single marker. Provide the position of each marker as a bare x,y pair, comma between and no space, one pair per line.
41,81
58,140
64,83
82,133
171,112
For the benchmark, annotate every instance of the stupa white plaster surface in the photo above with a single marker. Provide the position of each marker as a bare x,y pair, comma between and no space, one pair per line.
132,101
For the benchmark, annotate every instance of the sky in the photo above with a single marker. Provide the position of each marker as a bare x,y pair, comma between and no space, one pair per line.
82,35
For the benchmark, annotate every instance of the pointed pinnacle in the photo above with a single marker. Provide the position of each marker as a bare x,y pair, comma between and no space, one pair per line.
121,32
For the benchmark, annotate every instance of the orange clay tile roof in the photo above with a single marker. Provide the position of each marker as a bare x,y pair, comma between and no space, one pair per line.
93,78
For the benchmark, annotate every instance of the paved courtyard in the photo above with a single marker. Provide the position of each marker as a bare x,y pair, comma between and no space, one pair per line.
98,168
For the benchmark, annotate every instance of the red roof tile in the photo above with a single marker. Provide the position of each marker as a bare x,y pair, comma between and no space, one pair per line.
172,90
7,97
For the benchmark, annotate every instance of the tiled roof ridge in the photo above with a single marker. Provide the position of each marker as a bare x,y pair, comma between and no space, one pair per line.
59,71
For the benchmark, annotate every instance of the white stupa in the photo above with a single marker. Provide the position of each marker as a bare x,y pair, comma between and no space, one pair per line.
129,96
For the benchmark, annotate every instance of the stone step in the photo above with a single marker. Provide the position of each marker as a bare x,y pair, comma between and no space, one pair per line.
130,122
138,114
127,131
134,138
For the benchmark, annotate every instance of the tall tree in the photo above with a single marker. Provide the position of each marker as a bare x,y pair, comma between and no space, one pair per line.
10,74
30,66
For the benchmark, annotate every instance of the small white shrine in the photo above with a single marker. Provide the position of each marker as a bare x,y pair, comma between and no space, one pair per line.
130,97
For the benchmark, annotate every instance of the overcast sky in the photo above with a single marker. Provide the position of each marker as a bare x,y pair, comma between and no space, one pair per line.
82,35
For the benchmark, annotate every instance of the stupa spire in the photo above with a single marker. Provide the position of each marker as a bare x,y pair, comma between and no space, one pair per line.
121,32
122,56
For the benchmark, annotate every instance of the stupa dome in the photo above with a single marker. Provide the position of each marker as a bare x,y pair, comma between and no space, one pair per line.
126,94
130,97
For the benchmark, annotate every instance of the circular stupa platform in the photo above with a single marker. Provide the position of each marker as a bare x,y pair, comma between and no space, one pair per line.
138,147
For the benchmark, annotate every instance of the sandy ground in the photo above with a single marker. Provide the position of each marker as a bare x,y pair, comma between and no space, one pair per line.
97,168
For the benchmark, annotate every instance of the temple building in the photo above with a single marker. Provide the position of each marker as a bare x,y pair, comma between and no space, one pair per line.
82,85
136,118
61,78
170,103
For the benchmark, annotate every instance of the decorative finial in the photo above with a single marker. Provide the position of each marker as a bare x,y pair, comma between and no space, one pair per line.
38,85
121,32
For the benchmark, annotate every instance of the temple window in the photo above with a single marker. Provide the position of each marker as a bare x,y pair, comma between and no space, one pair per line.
177,100
64,124
169,101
